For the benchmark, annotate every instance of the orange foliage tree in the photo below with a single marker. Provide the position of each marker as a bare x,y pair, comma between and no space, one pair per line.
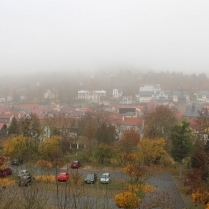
127,200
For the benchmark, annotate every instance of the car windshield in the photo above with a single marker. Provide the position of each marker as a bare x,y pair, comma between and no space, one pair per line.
90,176
22,172
62,174
105,175
24,177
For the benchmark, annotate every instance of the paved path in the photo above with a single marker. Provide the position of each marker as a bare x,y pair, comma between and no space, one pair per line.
166,194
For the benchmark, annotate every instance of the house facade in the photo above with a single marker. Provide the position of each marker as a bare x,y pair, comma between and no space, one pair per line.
91,95
180,97
148,92
126,100
202,96
150,88
117,93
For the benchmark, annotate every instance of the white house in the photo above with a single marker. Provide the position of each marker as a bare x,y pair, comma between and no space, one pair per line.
126,100
117,93
49,95
150,88
91,95
148,92
202,96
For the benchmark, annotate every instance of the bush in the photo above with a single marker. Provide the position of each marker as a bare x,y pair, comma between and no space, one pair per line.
127,200
46,178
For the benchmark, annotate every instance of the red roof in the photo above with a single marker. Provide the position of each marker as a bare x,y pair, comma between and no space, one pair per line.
6,115
1,125
131,121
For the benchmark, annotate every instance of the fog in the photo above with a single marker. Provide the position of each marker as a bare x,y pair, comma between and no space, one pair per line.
51,35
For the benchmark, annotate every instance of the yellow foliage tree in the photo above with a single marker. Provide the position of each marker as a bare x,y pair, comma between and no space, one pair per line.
18,146
200,197
50,149
136,171
151,151
127,200
44,164
129,157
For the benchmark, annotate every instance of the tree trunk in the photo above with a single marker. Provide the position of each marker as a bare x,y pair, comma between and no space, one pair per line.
180,169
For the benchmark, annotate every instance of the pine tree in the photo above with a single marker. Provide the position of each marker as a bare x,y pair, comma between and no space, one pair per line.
14,127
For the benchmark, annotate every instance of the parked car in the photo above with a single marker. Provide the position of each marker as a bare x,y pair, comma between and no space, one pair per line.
75,164
8,171
91,178
63,176
25,180
5,172
105,178
23,173
17,161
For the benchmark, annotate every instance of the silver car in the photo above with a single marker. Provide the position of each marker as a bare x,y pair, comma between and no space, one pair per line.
23,173
105,178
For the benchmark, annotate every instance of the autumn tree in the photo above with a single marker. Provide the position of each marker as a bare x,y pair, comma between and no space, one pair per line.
31,127
159,122
129,141
127,200
50,150
87,126
202,122
200,159
106,133
20,146
151,151
103,154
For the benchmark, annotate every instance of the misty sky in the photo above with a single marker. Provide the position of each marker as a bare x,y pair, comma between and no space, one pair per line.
52,35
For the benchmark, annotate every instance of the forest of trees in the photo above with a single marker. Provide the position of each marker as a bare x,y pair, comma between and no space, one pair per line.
69,83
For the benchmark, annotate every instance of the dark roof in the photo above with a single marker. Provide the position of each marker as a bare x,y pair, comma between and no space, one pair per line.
201,93
192,110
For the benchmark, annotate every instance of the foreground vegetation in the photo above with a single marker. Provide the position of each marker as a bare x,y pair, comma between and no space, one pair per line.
168,143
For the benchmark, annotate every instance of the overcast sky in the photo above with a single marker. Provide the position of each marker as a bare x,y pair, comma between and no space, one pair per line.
52,35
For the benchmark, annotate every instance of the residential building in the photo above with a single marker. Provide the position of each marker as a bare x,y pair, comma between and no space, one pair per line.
150,88
148,92
50,94
180,96
193,110
202,96
117,93
91,95
126,100
128,123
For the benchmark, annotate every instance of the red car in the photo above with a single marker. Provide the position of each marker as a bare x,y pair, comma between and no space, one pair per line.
5,172
75,164
63,176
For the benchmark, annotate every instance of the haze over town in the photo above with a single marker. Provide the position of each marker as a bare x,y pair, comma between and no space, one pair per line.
37,36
